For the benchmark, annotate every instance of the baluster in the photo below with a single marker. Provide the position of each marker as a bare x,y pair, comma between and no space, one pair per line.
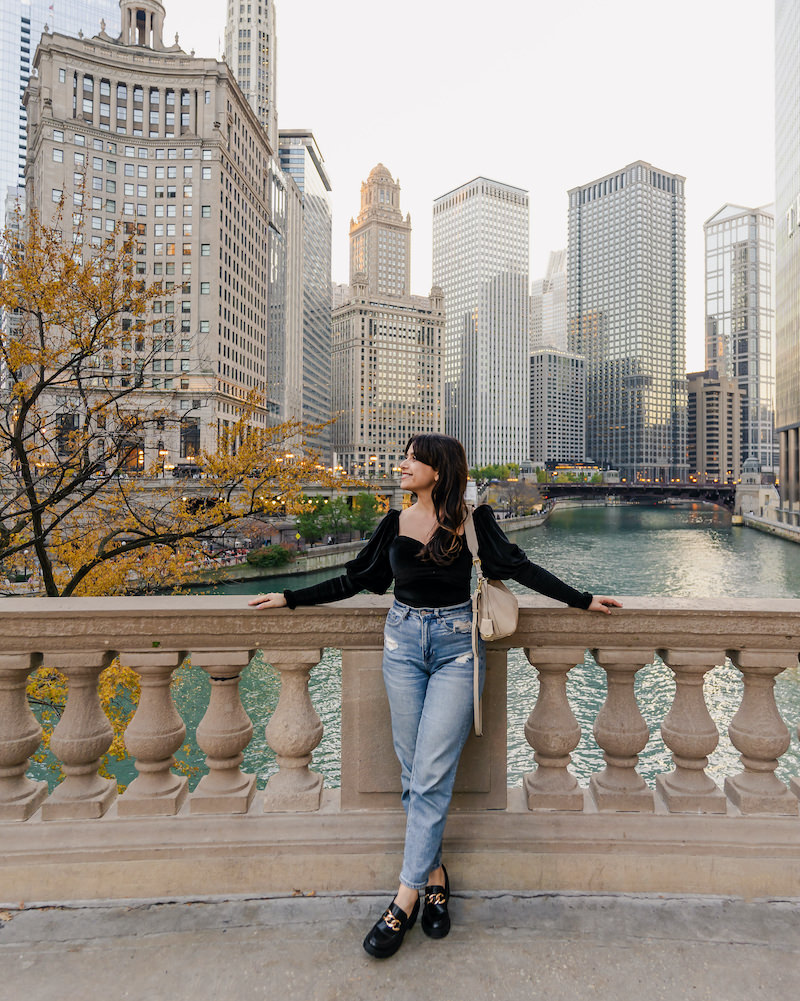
691,734
621,732
758,732
20,735
553,732
154,734
224,732
81,738
293,733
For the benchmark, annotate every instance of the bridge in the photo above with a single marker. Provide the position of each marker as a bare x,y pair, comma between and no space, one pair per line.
723,494
580,889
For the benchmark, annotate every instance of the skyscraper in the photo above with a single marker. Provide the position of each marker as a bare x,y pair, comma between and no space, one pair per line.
130,128
740,319
558,407
250,51
380,238
787,250
480,260
713,435
549,305
21,24
626,313
302,160
387,345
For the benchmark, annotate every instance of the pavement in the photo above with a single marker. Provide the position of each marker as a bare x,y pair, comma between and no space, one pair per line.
559,947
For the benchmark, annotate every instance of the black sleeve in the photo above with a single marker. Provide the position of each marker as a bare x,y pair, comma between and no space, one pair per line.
501,559
370,570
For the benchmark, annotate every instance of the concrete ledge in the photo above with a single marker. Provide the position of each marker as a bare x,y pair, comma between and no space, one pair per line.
775,528
329,851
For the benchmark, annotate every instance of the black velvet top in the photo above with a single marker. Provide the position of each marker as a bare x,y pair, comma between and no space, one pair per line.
424,584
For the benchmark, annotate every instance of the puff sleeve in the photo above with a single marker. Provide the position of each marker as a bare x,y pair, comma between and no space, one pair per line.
501,559
370,570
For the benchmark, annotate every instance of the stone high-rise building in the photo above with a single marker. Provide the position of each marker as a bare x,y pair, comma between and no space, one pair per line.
740,320
480,260
251,53
627,317
787,253
387,357
558,407
129,128
713,437
380,238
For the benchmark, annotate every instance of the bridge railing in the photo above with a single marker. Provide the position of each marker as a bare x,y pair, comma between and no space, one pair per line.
687,814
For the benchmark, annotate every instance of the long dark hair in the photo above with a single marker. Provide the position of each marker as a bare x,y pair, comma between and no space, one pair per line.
447,456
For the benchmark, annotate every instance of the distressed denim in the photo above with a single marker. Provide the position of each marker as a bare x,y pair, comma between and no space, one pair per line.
427,669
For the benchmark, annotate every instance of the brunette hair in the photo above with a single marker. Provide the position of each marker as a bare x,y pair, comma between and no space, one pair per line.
447,456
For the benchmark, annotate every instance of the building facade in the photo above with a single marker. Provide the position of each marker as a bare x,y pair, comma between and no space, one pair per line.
387,345
740,319
558,407
387,376
627,317
380,237
549,305
21,25
713,436
787,254
480,260
302,160
251,53
128,128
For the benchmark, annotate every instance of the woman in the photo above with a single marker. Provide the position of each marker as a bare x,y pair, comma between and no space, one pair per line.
427,658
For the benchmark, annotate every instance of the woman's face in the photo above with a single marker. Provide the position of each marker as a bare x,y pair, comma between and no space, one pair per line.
416,475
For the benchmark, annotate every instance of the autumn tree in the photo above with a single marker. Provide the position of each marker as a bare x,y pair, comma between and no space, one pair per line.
79,503
81,507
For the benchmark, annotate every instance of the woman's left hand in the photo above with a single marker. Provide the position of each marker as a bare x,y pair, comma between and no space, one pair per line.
602,604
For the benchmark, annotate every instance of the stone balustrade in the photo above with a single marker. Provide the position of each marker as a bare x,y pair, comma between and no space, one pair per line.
689,834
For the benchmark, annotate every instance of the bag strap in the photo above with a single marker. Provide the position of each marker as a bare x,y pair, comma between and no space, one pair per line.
472,543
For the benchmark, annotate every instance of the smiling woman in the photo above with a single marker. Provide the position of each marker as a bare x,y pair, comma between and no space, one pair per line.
429,659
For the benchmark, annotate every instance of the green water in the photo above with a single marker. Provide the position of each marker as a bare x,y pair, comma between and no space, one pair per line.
629,550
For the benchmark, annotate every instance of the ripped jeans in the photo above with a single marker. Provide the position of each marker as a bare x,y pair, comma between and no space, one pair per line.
427,670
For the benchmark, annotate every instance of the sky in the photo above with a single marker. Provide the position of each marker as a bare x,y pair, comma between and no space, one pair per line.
542,95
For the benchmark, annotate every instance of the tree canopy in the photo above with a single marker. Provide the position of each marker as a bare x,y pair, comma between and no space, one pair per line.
79,510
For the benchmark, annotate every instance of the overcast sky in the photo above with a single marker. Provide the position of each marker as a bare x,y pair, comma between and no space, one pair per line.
542,94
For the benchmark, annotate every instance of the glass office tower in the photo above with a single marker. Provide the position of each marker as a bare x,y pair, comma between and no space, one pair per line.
480,260
740,320
787,254
21,24
301,159
627,317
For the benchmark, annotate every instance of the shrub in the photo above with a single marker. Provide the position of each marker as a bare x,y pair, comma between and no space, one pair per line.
270,556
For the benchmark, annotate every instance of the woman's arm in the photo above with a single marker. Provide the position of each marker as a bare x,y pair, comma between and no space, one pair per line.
370,570
503,560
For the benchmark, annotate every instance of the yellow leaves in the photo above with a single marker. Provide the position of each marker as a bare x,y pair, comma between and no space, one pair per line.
118,689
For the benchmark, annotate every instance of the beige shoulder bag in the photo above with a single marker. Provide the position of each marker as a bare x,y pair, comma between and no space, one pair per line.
494,614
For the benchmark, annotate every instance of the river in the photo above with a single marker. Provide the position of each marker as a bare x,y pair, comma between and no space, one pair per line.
674,551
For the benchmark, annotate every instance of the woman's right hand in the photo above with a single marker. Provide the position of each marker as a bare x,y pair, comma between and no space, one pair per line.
273,600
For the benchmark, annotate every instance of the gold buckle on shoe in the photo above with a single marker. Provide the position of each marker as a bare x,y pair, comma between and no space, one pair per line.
391,921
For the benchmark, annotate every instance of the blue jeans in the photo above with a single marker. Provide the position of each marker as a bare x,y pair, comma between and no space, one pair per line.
427,669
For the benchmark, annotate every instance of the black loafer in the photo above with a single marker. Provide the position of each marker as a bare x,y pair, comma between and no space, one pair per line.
386,935
435,918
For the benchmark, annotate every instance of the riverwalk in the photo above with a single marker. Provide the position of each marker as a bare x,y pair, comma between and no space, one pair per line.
561,946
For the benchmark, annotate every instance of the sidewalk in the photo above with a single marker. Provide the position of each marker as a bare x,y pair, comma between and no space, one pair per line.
559,947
